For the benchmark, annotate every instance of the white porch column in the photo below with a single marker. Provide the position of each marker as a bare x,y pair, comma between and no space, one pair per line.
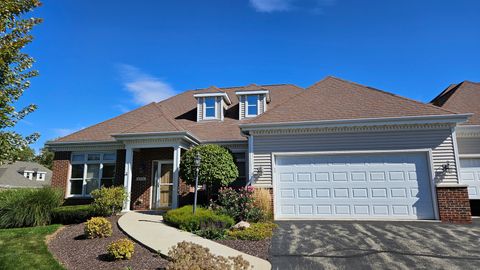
176,173
128,177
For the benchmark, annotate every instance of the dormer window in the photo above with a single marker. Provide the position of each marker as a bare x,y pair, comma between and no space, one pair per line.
28,174
252,105
211,104
41,176
252,102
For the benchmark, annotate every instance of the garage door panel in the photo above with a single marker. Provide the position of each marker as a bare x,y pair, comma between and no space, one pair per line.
470,175
362,186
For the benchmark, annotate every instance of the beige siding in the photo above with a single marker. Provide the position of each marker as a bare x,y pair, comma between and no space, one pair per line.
468,145
241,107
199,109
261,108
439,140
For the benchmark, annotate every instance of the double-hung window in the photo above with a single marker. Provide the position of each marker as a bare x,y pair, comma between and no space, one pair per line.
252,105
210,108
90,171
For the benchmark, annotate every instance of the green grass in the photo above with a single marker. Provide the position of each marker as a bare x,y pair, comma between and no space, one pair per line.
25,248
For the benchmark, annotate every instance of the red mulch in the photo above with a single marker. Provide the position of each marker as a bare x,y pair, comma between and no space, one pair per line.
71,249
255,248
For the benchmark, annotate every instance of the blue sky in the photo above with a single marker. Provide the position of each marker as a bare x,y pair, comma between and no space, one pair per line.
98,59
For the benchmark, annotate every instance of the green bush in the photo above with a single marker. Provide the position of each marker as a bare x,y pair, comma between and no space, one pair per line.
187,255
205,222
238,203
216,169
73,214
121,249
28,207
98,227
256,231
108,201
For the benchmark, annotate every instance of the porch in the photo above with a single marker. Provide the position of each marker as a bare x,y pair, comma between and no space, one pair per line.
152,166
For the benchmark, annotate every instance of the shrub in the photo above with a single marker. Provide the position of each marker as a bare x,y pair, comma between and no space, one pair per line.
262,199
205,222
98,227
187,255
73,214
121,249
108,200
216,169
256,231
239,204
28,207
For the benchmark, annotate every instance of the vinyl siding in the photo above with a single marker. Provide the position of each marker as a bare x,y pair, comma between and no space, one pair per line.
468,146
241,107
439,140
199,109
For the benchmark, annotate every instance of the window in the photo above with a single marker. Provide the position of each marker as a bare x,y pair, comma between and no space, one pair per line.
209,105
252,105
41,176
90,171
240,161
28,174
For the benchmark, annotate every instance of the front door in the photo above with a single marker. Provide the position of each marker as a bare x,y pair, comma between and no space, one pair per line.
163,184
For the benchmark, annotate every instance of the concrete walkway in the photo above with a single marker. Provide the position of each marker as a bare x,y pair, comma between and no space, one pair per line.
150,230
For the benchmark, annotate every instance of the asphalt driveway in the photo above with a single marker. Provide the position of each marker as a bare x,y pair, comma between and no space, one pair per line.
375,245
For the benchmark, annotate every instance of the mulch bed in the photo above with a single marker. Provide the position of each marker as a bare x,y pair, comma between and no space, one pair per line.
71,248
255,248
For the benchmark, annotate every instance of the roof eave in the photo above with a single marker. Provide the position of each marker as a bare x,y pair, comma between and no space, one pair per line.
429,119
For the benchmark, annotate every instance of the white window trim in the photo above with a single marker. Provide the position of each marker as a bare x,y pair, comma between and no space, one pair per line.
246,106
28,174
85,162
41,176
205,117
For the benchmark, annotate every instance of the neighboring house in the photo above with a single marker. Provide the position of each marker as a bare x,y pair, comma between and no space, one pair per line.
465,98
334,150
24,174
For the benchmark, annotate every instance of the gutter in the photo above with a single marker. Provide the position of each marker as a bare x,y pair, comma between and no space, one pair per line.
430,119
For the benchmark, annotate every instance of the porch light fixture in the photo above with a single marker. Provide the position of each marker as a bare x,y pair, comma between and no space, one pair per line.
446,167
197,163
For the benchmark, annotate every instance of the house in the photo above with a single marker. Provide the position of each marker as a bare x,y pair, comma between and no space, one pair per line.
465,97
336,149
24,174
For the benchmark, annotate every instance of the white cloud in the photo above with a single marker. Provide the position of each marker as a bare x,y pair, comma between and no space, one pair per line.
271,5
62,132
144,87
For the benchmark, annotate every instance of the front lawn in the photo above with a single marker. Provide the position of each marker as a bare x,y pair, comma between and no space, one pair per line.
25,248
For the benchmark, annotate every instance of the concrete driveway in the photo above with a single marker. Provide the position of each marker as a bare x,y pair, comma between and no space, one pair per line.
375,245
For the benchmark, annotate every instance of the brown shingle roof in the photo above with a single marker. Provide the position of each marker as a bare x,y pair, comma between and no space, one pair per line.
329,99
463,98
337,99
179,113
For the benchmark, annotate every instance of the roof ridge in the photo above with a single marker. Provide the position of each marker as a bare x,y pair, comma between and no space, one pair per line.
162,108
391,94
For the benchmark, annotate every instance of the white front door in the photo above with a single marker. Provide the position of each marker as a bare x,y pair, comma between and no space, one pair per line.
470,175
354,186
163,184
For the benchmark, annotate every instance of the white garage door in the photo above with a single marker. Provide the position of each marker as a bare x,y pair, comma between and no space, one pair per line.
470,175
395,186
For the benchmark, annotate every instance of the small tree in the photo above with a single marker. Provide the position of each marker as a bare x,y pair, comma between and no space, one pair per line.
216,169
15,72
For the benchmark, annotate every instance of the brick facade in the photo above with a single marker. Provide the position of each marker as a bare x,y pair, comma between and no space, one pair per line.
142,167
454,205
61,170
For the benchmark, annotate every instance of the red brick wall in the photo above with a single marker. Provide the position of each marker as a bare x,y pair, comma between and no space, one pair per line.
142,167
61,168
454,205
